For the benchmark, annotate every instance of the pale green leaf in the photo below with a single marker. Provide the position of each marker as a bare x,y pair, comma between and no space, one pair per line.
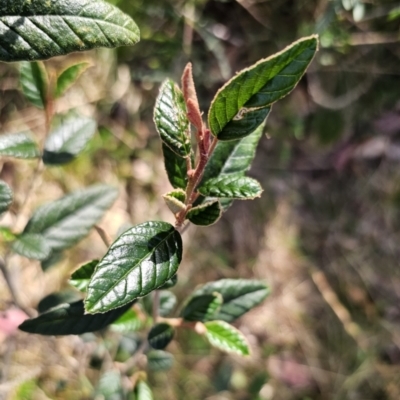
69,76
243,103
171,120
234,186
66,221
81,277
129,322
68,140
173,204
18,145
143,391
205,214
176,168
39,29
225,337
239,296
33,78
109,386
70,319
141,260
159,360
202,307
6,197
160,336
32,245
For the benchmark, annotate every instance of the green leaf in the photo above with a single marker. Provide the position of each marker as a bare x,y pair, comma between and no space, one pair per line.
70,319
37,30
54,258
129,322
235,186
205,214
159,360
171,120
202,307
7,234
143,391
175,200
110,386
170,283
141,260
167,303
18,145
176,168
32,245
239,296
55,299
69,76
68,140
33,76
244,102
227,338
6,197
66,221
81,277
160,336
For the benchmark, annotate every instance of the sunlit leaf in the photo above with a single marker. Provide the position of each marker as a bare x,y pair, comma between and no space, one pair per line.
244,102
18,145
6,197
69,76
226,337
33,77
68,140
39,29
143,391
32,245
141,260
128,322
81,277
175,167
203,307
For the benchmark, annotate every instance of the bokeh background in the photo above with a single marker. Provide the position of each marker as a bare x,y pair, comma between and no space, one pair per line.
325,234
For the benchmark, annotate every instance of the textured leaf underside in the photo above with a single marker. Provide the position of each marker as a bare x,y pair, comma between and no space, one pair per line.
141,260
6,197
244,102
40,29
18,145
33,246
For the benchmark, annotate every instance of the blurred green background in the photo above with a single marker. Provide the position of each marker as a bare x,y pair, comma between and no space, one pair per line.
325,234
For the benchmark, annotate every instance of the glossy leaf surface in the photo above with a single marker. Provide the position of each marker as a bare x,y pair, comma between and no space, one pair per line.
81,277
160,336
32,245
33,79
170,118
40,29
68,140
6,197
235,186
69,76
203,307
205,214
239,296
70,319
18,145
243,102
66,221
141,260
227,338
175,167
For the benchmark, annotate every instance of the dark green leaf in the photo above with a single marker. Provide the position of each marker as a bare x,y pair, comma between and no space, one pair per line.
244,102
33,76
70,319
18,145
171,283
143,391
6,197
202,307
159,360
66,221
81,277
171,120
69,76
55,299
141,260
167,303
234,186
175,167
239,296
68,140
205,214
54,258
160,336
32,245
33,30
129,322
227,338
